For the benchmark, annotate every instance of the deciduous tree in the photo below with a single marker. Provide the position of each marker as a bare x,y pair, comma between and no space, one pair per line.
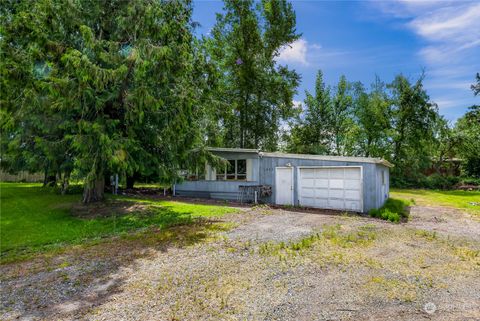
255,93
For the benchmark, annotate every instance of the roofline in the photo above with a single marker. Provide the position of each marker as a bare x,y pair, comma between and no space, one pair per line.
304,156
238,150
331,158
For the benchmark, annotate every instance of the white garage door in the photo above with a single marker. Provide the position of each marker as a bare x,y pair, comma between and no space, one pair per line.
337,188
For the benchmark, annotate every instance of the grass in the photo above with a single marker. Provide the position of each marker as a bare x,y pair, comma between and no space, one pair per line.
34,218
393,210
332,235
456,199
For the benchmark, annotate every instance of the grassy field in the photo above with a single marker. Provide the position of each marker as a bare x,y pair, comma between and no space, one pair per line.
457,199
33,218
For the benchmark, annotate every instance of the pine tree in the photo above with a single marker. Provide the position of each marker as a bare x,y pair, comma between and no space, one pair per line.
111,82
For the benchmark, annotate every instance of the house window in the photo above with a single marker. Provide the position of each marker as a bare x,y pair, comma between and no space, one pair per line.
235,170
196,174
231,170
241,169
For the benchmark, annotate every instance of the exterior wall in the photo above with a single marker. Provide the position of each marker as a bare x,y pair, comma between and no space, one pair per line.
263,173
267,176
227,190
382,194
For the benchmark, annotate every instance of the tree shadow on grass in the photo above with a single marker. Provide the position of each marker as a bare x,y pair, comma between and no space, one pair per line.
83,276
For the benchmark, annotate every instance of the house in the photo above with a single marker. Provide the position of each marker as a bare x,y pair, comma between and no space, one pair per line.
332,182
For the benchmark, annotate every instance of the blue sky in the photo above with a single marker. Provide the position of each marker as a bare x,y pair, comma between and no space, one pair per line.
384,38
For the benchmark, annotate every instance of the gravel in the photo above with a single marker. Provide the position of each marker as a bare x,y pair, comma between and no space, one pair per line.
341,277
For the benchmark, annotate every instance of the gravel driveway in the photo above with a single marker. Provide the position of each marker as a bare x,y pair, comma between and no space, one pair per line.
273,265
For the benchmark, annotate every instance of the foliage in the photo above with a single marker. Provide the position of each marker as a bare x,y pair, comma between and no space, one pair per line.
413,116
95,88
437,181
470,181
33,217
393,210
253,93
468,130
312,134
394,121
476,87
107,87
372,111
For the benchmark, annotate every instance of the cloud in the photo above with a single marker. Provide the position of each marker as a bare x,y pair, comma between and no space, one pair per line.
454,23
295,52
451,29
449,35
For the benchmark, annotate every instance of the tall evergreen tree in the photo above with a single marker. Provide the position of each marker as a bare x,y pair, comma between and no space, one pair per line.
114,77
255,93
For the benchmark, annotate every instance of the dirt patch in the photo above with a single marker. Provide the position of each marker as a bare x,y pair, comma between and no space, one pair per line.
107,208
445,220
283,225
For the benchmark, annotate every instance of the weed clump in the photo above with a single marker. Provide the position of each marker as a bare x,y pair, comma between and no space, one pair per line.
394,210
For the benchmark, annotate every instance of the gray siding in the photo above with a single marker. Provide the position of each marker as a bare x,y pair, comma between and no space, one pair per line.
263,173
227,190
267,176
382,194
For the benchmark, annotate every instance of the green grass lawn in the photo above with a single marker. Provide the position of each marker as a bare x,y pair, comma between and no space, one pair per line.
457,199
33,217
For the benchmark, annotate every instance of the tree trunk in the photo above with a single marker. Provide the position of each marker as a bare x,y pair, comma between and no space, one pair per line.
94,191
131,181
65,183
48,178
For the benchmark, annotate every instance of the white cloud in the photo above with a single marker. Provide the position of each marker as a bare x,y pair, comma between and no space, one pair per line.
295,52
449,33
454,23
449,28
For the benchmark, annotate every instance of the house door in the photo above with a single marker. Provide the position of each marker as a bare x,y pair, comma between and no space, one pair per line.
284,185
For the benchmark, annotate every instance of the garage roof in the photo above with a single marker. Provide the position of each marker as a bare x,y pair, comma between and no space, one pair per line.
304,156
330,158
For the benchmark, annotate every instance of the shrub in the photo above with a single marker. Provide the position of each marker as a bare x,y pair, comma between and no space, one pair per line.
437,181
470,181
393,210
390,216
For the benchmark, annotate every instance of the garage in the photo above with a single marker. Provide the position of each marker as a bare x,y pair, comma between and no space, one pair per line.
336,187
343,183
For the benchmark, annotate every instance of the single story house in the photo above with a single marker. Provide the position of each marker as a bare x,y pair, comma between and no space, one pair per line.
356,184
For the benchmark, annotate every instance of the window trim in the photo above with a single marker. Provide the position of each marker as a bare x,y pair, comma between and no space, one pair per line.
223,175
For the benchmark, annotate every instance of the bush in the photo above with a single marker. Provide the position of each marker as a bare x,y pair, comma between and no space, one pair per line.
436,181
470,181
393,210
402,182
